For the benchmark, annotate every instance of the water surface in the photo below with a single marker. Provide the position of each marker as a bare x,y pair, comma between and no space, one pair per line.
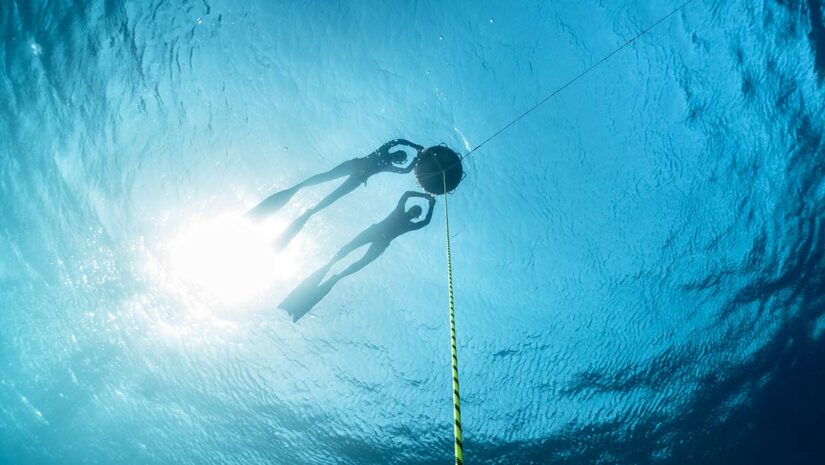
638,264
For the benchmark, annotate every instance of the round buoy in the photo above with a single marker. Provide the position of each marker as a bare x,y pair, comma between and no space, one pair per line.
435,164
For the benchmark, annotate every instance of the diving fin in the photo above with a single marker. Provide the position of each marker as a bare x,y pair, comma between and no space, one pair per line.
290,232
271,204
306,295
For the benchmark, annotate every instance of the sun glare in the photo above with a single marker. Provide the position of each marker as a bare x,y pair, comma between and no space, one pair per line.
229,258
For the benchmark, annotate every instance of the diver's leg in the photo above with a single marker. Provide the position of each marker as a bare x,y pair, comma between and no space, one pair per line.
295,227
375,251
314,280
362,239
345,188
277,200
344,169
365,237
312,290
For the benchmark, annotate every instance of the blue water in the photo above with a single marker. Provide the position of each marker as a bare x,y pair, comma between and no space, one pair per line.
639,264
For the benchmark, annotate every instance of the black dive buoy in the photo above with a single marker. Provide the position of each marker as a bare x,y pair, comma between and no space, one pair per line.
435,164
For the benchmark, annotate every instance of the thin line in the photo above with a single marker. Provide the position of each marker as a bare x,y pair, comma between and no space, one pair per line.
579,76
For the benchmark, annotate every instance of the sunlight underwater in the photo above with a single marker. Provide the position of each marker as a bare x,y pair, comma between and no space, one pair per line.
639,265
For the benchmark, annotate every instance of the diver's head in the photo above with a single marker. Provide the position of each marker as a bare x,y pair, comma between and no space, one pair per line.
415,211
398,157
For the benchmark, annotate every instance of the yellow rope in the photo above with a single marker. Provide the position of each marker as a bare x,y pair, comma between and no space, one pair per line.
459,448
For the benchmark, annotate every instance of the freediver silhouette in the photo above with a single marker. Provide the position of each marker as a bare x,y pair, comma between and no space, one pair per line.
378,237
357,171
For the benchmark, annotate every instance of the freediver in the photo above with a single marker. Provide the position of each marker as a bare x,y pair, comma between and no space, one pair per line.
357,171
378,237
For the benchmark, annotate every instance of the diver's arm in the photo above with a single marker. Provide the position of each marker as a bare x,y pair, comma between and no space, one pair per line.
395,142
429,216
409,144
412,164
404,170
403,201
384,151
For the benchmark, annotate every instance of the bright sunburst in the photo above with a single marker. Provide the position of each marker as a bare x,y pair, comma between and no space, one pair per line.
227,257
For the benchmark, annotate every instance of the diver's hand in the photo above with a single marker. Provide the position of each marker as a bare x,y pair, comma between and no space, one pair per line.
410,144
386,147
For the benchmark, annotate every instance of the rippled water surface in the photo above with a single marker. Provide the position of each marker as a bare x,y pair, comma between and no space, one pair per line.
638,264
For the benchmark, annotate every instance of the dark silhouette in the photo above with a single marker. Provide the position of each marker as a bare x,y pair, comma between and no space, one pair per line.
357,171
377,236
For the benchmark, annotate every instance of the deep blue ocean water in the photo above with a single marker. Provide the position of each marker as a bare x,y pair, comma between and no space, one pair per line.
639,264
